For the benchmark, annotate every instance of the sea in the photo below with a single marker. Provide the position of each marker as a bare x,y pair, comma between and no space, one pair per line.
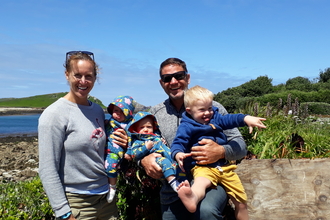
20,125
17,125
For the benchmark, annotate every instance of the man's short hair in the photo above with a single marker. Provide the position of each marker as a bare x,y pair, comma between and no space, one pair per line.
174,61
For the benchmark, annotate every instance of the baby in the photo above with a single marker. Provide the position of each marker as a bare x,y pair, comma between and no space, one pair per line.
121,111
146,139
202,120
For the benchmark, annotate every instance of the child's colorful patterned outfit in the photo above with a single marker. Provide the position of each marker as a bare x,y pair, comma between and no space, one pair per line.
138,150
114,152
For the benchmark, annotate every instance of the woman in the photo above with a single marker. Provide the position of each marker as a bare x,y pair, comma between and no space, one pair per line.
71,147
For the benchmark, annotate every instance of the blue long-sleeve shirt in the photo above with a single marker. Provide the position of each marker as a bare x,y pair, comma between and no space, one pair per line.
190,131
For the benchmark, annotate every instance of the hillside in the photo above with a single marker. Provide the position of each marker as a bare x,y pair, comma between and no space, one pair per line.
39,101
42,101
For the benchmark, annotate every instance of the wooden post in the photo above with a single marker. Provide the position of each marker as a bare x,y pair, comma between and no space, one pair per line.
283,189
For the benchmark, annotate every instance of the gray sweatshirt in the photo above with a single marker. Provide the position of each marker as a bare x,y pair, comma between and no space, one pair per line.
71,151
169,119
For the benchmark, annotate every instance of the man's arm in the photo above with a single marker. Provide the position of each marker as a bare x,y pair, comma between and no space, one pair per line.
235,149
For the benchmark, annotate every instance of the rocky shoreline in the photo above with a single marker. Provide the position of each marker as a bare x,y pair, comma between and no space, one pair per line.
19,159
20,111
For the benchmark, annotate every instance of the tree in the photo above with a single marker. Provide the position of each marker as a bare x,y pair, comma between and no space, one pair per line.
299,83
257,87
324,75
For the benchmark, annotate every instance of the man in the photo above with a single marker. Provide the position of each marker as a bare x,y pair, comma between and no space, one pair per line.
175,80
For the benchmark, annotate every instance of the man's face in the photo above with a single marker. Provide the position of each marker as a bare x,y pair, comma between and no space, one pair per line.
174,88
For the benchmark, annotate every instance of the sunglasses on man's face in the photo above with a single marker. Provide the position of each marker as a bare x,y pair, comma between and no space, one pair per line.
70,53
178,76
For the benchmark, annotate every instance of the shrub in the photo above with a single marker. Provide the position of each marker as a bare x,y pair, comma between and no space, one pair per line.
24,200
317,108
138,194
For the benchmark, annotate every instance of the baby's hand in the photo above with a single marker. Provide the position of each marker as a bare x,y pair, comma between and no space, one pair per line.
164,141
252,121
149,144
179,157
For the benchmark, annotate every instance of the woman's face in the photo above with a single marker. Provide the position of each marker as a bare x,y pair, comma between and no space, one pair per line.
81,80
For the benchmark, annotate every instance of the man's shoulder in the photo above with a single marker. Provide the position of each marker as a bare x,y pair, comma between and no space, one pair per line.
156,108
220,107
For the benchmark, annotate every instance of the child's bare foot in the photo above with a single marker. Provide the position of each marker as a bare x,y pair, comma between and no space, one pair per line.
187,196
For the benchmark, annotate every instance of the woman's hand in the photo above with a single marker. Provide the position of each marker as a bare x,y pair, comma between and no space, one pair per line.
120,137
71,217
207,152
151,167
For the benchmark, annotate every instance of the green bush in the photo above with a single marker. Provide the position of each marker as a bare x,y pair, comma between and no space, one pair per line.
317,108
24,200
138,194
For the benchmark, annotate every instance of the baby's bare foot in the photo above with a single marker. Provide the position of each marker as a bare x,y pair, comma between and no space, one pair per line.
187,196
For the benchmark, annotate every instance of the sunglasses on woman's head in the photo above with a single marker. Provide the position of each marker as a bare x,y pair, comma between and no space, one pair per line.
178,76
70,53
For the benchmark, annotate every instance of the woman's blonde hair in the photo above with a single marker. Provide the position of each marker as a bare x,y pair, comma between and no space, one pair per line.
196,93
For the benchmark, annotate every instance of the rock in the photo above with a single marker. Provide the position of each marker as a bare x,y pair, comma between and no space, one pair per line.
19,158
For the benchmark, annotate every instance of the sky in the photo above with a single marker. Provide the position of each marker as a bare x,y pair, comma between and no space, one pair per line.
224,43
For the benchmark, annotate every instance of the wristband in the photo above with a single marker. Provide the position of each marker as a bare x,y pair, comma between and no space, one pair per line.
65,216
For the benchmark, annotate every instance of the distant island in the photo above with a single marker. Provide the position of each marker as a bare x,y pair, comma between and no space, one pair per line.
36,104
20,111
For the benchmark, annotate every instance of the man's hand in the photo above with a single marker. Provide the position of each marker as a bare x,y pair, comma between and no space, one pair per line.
207,152
151,167
120,137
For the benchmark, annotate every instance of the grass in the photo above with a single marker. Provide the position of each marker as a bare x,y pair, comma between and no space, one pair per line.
39,101
289,137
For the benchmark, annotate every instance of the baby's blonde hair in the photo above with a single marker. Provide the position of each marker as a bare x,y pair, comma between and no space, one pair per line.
196,93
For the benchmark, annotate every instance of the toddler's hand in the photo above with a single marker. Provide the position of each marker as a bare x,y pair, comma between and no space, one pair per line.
179,157
149,144
252,121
